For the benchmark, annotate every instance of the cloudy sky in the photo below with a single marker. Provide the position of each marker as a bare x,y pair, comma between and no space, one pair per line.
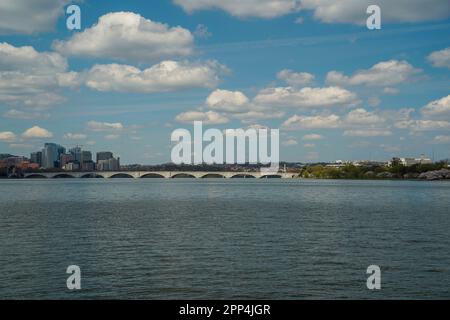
139,69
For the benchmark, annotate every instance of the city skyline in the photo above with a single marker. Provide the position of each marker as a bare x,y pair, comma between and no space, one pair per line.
334,88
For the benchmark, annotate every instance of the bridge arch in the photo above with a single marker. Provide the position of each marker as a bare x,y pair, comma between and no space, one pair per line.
272,176
63,176
213,176
152,176
243,176
36,176
92,176
122,176
183,175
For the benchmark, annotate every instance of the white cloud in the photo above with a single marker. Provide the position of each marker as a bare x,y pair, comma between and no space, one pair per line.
440,58
128,36
363,117
383,74
367,133
104,126
26,17
248,8
290,143
17,114
354,11
209,117
258,114
312,137
309,145
163,77
437,108
37,132
295,79
75,136
423,125
227,101
306,97
30,78
7,136
328,11
297,122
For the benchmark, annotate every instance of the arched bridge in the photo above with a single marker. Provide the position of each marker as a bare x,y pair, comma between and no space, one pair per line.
158,174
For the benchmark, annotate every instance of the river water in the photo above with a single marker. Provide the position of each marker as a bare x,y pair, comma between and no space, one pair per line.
224,239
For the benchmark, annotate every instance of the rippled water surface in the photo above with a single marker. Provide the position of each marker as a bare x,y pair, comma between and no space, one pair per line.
200,239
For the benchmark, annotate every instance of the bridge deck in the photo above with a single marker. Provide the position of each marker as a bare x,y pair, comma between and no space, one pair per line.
159,174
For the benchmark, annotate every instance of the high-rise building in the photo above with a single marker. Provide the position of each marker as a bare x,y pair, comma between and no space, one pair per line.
105,155
76,153
65,159
109,165
36,157
51,155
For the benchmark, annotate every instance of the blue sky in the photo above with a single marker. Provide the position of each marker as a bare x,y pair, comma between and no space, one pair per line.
137,70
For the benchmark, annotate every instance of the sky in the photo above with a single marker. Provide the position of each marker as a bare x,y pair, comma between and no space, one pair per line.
137,70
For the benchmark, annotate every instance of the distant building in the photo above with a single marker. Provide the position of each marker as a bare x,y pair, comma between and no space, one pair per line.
88,165
107,162
65,159
86,161
11,161
51,155
109,165
36,157
71,166
106,155
76,153
408,162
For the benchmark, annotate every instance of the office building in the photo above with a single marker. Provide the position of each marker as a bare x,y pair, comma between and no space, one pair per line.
51,155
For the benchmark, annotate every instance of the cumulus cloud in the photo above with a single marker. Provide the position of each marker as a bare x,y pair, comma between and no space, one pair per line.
26,17
248,8
423,125
383,74
295,79
306,97
297,122
209,117
363,117
358,122
367,133
343,11
75,136
37,132
235,104
7,136
228,101
30,78
104,126
437,108
440,58
354,11
128,36
165,76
